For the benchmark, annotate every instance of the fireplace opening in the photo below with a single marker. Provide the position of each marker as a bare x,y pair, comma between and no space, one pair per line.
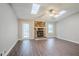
40,34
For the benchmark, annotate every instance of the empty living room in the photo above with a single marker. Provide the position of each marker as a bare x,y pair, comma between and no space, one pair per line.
39,29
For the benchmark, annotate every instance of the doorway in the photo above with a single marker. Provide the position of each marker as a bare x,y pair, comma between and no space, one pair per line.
25,31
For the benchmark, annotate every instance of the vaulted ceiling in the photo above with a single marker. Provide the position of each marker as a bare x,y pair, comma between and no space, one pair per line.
23,10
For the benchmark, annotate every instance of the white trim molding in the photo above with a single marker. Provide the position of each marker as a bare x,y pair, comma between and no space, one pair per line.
10,49
67,40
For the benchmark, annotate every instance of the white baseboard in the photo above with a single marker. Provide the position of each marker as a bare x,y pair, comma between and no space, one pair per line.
10,49
67,40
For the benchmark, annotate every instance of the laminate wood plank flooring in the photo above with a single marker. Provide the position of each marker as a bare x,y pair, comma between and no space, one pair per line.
46,47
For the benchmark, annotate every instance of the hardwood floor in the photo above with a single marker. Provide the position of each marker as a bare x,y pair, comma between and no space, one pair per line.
49,47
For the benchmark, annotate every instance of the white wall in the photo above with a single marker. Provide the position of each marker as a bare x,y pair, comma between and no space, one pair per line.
68,28
8,28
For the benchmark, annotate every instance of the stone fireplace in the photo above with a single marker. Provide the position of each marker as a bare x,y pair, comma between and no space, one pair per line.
39,29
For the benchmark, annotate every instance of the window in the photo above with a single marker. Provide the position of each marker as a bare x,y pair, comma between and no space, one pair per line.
50,28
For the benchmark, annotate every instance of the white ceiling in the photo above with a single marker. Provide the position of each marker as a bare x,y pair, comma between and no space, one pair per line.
23,10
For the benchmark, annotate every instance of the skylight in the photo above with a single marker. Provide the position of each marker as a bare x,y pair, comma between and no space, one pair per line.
35,8
60,13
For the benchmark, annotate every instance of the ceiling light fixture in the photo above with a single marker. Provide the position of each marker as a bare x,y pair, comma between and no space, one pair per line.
52,12
56,16
35,8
